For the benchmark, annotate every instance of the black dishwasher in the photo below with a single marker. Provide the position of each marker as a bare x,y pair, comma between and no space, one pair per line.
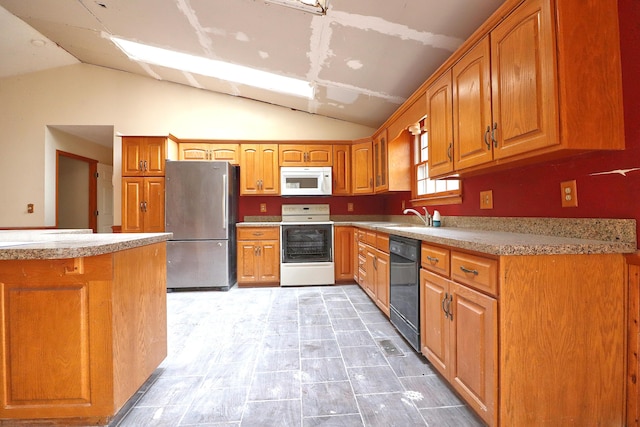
404,292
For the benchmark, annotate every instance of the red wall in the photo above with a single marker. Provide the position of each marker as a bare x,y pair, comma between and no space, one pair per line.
534,191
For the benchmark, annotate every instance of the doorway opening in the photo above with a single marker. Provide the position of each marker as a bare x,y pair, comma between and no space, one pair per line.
76,191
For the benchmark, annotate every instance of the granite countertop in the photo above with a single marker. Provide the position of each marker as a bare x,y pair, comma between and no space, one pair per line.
57,244
507,236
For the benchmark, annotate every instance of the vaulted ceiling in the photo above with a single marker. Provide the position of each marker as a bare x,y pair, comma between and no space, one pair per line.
364,57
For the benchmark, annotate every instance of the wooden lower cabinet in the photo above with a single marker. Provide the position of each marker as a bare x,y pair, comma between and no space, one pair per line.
81,335
371,266
528,340
343,253
459,337
143,205
258,256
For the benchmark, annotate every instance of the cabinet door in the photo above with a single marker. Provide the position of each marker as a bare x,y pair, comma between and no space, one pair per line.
341,170
247,261
440,126
194,151
362,168
523,83
380,162
269,260
370,274
473,356
382,281
319,155
250,172
292,155
154,156
153,211
343,254
434,334
472,108
132,197
225,152
270,172
132,156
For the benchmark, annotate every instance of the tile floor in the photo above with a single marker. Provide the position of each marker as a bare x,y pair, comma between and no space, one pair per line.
308,356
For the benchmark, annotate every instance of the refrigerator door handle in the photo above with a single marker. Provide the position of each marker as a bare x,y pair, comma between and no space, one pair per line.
225,191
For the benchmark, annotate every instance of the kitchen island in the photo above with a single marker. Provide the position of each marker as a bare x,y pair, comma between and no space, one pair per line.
83,323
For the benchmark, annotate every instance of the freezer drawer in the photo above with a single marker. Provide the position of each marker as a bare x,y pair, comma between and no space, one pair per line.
200,264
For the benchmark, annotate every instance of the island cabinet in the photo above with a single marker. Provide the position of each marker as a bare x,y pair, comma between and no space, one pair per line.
258,256
516,92
362,167
259,172
305,155
80,335
343,253
210,151
529,339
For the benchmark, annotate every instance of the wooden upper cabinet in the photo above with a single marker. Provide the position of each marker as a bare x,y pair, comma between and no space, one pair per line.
143,155
305,155
341,170
472,120
380,162
209,151
440,126
543,82
524,81
362,167
259,172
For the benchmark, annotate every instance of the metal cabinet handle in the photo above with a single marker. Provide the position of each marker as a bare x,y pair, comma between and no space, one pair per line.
446,295
486,138
375,262
493,134
140,165
145,166
257,233
449,307
449,150
466,270
432,259
141,206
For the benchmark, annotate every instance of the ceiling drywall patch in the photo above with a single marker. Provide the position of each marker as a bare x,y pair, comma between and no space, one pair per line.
263,54
342,95
192,80
354,64
242,37
403,32
318,51
185,7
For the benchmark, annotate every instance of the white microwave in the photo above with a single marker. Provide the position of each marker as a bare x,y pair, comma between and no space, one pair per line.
305,181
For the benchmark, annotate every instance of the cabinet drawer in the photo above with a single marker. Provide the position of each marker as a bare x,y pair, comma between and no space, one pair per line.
258,233
382,242
370,238
435,259
477,272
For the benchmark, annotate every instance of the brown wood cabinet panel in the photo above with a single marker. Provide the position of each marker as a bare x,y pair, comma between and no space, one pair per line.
259,171
258,256
380,162
143,205
440,126
472,119
305,155
143,155
362,168
477,272
381,267
524,80
344,254
341,170
210,151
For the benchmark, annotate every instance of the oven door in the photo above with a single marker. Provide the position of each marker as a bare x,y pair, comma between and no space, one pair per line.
306,243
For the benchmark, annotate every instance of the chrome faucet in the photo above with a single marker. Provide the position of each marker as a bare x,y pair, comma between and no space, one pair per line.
426,218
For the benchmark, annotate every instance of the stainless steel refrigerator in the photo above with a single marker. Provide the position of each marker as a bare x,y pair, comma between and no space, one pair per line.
201,202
